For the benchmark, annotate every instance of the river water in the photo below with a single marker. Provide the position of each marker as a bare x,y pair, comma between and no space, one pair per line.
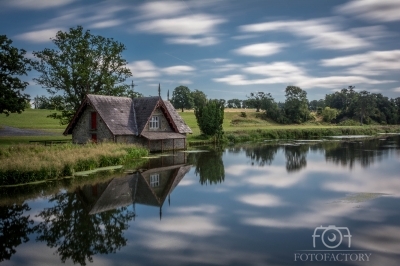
270,203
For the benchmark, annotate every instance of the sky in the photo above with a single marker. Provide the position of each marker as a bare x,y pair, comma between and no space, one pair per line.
228,48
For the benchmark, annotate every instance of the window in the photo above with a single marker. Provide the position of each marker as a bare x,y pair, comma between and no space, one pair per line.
154,180
154,122
94,120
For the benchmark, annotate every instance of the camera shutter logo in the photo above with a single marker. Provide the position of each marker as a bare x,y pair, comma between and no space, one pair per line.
331,233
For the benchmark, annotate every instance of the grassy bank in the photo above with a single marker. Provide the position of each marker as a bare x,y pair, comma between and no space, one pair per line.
29,163
252,127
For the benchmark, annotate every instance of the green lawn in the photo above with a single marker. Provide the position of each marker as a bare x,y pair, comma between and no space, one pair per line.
233,121
33,119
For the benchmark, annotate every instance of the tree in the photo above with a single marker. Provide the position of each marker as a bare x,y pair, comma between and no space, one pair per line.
199,98
83,63
364,105
255,100
12,64
210,167
182,98
210,118
328,114
296,105
234,103
15,227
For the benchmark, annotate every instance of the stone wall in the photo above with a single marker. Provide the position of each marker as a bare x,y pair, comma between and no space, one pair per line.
164,125
82,132
167,144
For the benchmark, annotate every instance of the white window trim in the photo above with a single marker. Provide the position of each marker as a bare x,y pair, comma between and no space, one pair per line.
155,180
154,122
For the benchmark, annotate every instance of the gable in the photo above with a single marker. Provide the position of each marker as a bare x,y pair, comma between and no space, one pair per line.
126,116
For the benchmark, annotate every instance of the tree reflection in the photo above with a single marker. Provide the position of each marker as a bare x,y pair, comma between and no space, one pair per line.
296,157
364,152
262,155
77,235
209,166
14,227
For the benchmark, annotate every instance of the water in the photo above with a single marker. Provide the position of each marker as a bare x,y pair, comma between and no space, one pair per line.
251,204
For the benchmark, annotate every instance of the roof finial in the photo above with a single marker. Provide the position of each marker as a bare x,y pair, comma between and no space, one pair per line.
159,90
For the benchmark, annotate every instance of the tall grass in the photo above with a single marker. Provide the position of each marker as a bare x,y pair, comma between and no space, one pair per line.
28,163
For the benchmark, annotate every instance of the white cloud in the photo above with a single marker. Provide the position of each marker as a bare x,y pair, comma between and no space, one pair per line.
161,9
106,24
260,49
244,36
185,81
38,36
38,4
370,63
204,41
213,60
275,69
261,200
377,10
178,70
198,24
321,33
305,82
396,89
143,69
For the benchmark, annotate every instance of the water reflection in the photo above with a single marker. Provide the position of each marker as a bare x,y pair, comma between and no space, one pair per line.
15,226
209,166
269,199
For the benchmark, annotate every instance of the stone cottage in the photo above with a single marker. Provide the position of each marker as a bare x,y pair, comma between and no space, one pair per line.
148,121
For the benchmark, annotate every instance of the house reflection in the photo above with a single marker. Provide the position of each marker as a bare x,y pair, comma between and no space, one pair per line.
149,187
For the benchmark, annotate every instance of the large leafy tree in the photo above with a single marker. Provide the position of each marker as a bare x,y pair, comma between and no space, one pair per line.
296,105
182,98
83,63
364,105
13,63
255,100
199,98
210,118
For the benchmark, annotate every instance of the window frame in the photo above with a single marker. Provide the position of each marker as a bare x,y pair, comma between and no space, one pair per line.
154,122
155,180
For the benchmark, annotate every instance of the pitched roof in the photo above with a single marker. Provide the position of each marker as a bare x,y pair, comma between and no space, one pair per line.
124,116
180,124
144,107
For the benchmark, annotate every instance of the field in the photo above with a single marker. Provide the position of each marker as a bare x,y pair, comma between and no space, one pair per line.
234,124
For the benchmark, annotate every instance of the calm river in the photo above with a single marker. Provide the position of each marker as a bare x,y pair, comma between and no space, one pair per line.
286,203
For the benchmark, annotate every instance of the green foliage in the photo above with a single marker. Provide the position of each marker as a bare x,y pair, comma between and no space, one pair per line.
255,100
296,105
108,155
182,98
234,103
83,63
13,63
243,114
364,105
329,114
199,98
210,118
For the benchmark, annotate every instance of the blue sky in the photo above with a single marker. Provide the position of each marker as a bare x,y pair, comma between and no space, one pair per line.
229,48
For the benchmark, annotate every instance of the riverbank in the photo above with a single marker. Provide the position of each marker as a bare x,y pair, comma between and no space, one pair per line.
25,163
296,133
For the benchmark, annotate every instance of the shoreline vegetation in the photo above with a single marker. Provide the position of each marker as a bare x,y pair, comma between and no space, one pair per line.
27,163
22,162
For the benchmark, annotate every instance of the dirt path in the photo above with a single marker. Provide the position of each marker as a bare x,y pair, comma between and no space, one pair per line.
13,131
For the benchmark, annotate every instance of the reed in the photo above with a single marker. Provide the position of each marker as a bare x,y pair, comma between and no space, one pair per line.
25,163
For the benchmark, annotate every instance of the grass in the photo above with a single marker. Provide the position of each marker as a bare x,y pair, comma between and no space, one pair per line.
29,163
33,119
254,127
